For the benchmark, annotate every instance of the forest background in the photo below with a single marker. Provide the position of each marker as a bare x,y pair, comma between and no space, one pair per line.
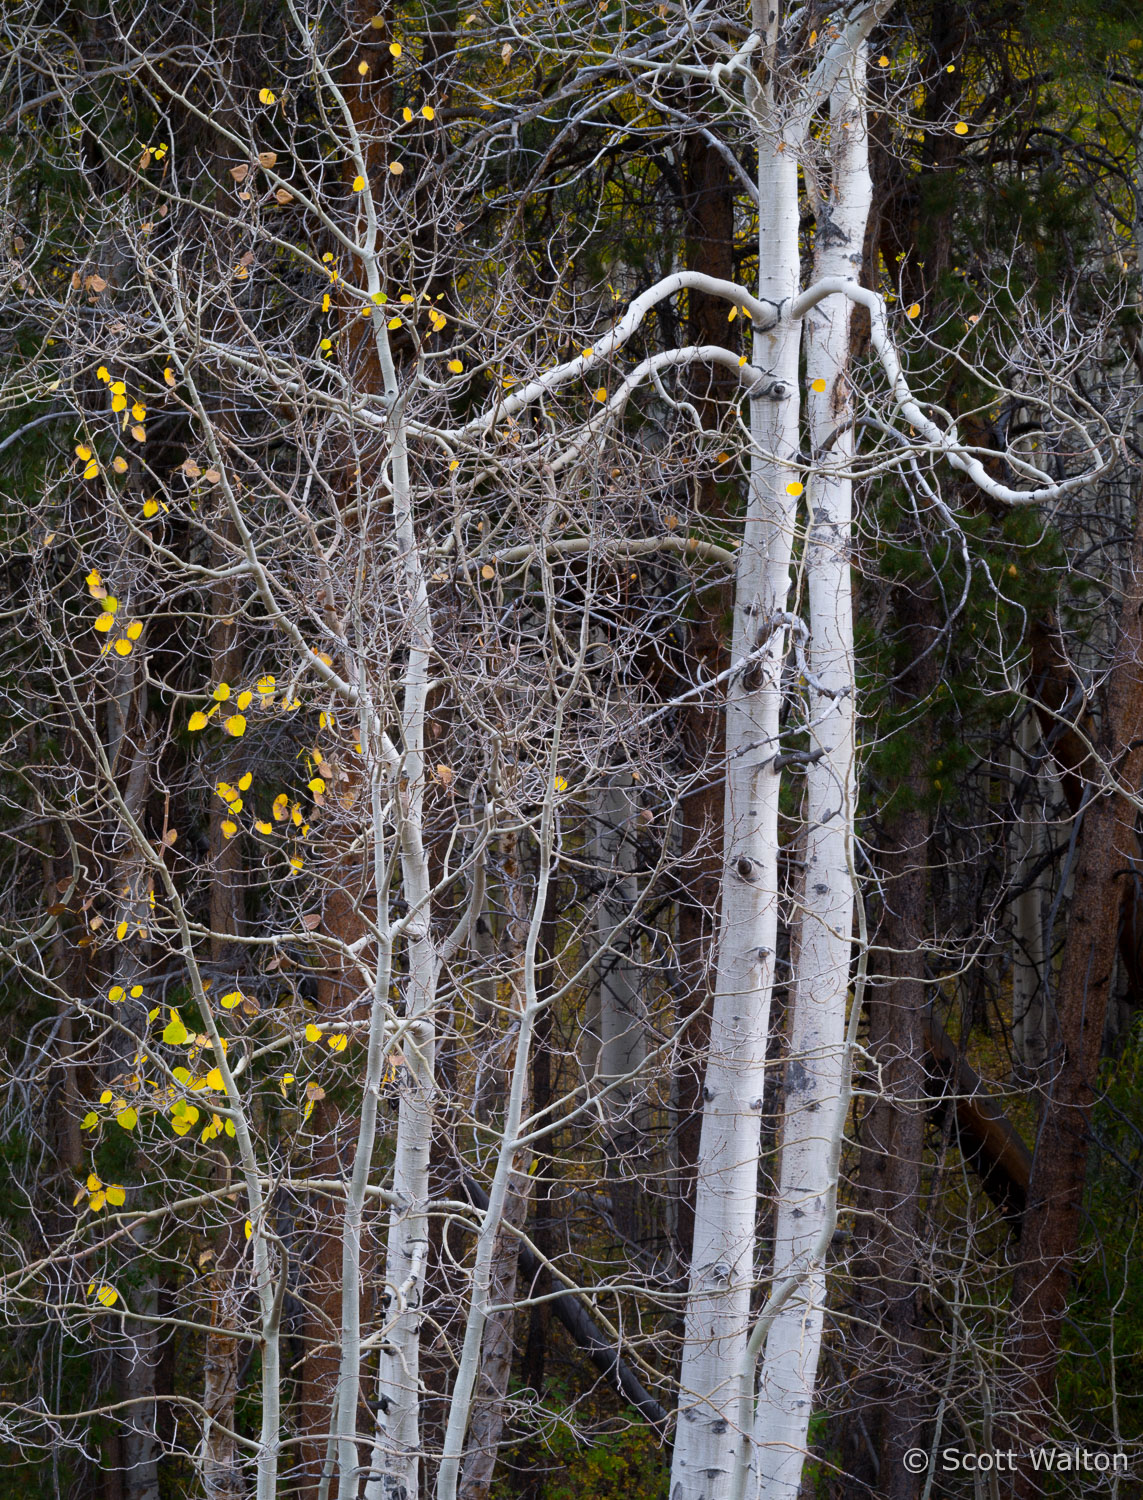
571,739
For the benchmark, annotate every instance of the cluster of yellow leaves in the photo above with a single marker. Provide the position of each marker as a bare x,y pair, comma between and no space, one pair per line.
99,1194
235,723
107,619
119,405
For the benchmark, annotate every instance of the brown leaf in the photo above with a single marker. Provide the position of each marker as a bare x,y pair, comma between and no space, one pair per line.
212,475
314,1091
283,197
250,1007
311,921
267,159
190,468
97,283
240,173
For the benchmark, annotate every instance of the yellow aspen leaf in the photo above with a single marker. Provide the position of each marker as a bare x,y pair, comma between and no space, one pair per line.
394,49
118,403
456,366
92,470
280,807
266,685
93,581
488,571
245,781
960,128
297,862
118,389
90,1121
221,692
284,1082
137,992
229,829
104,374
914,311
128,1118
116,993
819,385
197,720
104,623
313,1033
93,1184
560,783
135,630
262,826
428,111
121,931
266,96
359,184
601,393
214,1081
107,1295
794,489
138,411
96,1202
116,1196
324,657
883,61
339,1042
317,786
454,463
150,507
175,1033
396,168
106,1096
309,1109
169,375
123,646
732,314
231,1001
393,323
362,69
236,726
407,114
83,453
244,701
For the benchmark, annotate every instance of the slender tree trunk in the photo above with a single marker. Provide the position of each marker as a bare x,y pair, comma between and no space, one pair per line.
722,1260
817,1056
1029,841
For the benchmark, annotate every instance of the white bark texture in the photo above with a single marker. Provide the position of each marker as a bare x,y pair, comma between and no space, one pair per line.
814,1072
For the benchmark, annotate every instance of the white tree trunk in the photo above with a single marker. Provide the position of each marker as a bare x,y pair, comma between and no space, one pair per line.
722,1257
814,1073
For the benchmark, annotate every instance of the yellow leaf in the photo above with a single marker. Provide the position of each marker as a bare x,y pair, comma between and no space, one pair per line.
601,394
116,993
313,1033
359,184
175,1033
882,61
394,49
150,508
309,1109
428,111
362,69
560,784
339,1042
794,489
118,389
123,646
92,470
93,580
128,1118
819,386
228,1002
104,374
317,786
266,685
138,411
406,114
280,807
93,1183
107,1295
393,323
297,862
83,453
90,1120
455,366
960,128
96,1202
121,931
137,993
245,781
454,463
214,1081
262,826
221,692
229,829
169,375
116,1197
914,311
105,1097
119,403
135,630
197,720
236,726
266,96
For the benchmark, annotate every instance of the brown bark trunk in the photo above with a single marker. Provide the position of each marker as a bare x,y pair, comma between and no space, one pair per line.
1106,848
891,1137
